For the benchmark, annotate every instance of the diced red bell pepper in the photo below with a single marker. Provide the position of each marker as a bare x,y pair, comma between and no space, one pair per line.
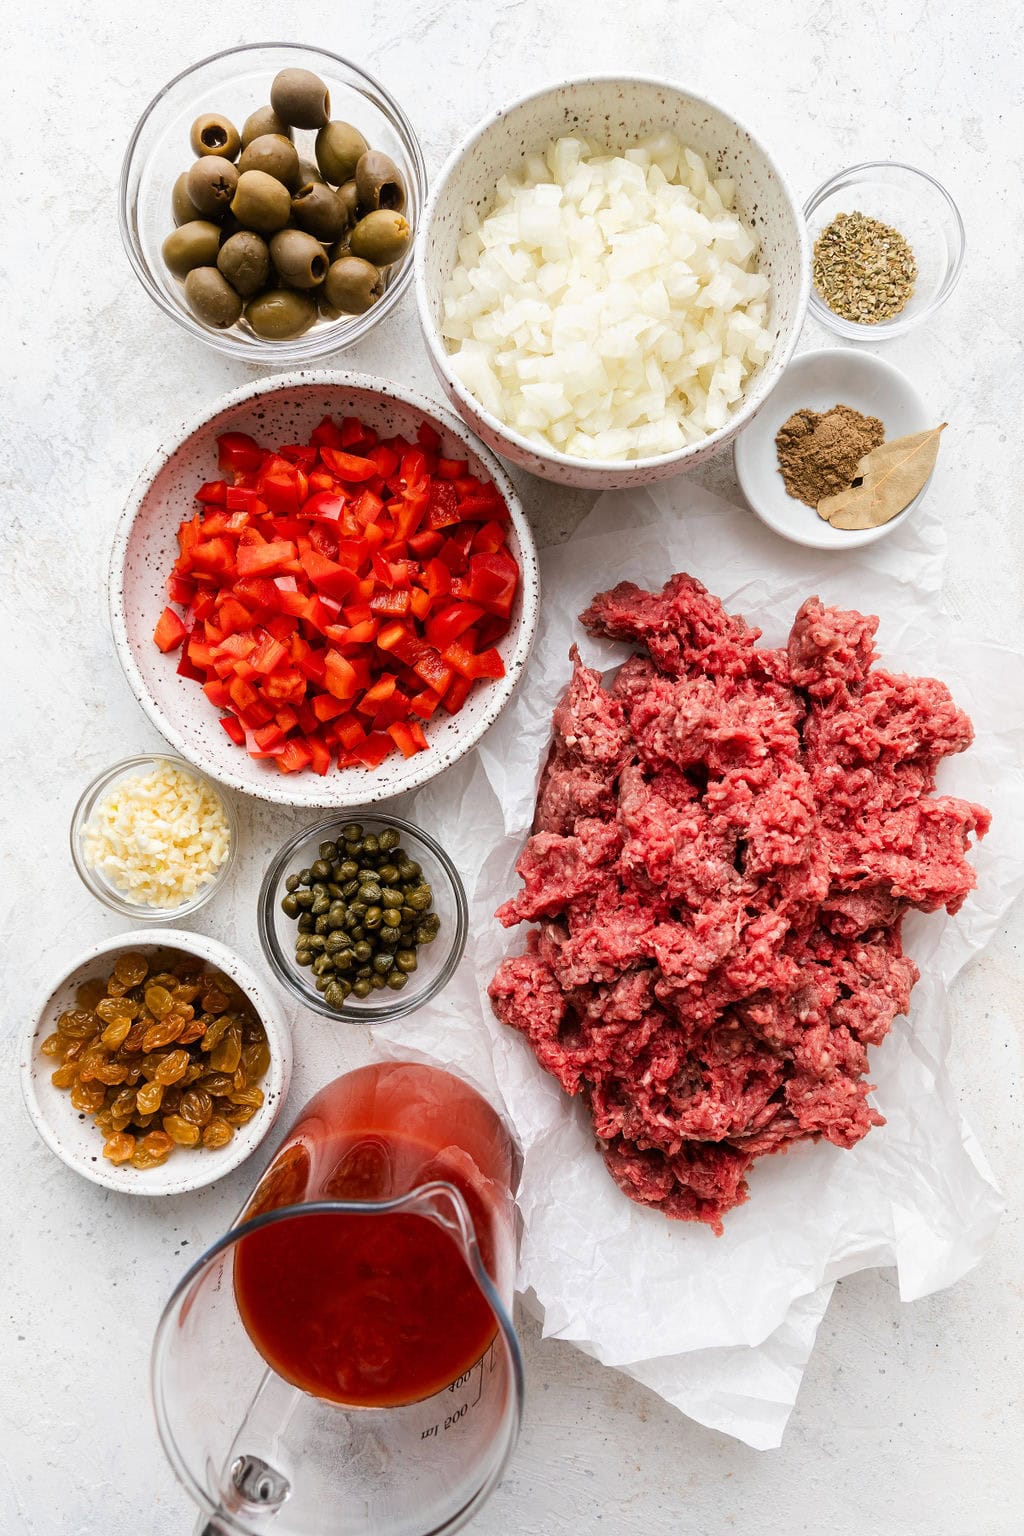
382,689
320,754
431,668
270,653
169,632
262,559
213,494
238,451
234,728
327,435
340,676
296,756
393,604
472,665
451,620
424,703
452,469
348,466
325,507
456,694
443,507
372,751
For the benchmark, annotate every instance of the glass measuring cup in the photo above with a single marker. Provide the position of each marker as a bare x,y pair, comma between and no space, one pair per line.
342,1361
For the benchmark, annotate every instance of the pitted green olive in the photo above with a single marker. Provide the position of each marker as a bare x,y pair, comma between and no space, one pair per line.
214,135
194,244
275,155
352,286
245,262
263,120
279,314
339,148
348,195
211,184
211,298
382,237
261,202
301,261
317,209
183,208
379,182
300,98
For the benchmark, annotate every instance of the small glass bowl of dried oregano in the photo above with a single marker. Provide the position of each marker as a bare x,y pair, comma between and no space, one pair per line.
887,248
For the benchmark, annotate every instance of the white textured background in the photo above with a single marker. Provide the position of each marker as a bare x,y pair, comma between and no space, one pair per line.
910,1419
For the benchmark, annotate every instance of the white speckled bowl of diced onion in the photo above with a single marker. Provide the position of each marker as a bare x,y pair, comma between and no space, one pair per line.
726,176
153,838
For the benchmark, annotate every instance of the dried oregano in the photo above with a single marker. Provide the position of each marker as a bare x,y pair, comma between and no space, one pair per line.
864,270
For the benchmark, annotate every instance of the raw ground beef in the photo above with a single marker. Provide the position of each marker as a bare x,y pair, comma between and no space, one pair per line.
725,844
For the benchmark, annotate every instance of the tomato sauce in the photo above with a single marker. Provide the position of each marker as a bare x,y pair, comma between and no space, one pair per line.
377,1310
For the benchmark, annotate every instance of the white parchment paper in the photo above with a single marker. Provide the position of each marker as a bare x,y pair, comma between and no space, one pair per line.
723,1327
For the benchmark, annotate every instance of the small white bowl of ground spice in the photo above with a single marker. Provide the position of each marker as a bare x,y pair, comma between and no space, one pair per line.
153,838
887,249
828,412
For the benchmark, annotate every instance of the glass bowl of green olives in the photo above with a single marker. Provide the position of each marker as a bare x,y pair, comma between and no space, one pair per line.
363,918
269,200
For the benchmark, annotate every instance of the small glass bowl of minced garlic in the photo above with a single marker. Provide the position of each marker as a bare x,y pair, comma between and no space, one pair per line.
887,246
153,838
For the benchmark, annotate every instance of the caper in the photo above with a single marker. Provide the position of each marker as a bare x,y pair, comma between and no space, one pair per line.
334,890
381,237
350,887
322,924
292,884
320,869
388,893
339,147
370,843
357,934
264,120
337,914
300,98
290,904
387,874
351,831
426,932
361,987
409,915
343,960
194,244
323,982
183,209
347,870
389,934
378,982
321,904
419,898
316,942
281,313
382,961
301,262
379,182
358,908
373,919
214,135
392,917
397,980
303,957
307,923
260,202
408,869
305,877
244,259
275,155
405,959
328,851
323,963
388,839
304,898
212,182
317,210
336,941
211,297
369,892
363,952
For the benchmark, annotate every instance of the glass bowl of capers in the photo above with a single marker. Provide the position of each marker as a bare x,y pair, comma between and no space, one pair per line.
239,199
363,918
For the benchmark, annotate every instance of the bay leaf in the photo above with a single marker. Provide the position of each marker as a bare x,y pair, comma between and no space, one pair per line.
890,476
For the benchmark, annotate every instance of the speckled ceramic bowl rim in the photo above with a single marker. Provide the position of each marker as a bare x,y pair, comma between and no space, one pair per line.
248,1137
763,382
886,330
434,761
104,891
313,344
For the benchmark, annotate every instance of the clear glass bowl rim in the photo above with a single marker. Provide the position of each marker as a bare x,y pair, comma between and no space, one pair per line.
99,888
317,343
285,970
885,328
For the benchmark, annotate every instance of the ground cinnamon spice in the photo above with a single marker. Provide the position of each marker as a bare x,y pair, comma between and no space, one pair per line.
819,450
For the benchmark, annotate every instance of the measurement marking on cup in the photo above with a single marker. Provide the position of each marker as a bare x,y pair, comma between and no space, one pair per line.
458,1414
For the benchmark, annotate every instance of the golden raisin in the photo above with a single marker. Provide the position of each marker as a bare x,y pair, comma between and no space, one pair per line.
65,1076
172,1067
192,1032
216,1029
77,1025
89,994
116,1033
154,1149
131,969
217,1083
228,1052
87,1097
52,1045
119,1147
257,1059
181,1131
163,1032
214,1000
196,1106
159,1001
149,1098
217,1133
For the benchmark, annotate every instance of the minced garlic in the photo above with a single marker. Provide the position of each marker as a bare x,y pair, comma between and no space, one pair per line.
158,836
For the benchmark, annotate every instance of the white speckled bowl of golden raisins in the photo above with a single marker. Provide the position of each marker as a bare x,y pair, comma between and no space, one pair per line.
157,1063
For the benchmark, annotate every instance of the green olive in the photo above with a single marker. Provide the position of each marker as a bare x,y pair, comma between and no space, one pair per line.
211,297
381,238
279,314
300,98
245,261
191,245
211,184
261,202
263,120
339,148
275,155
316,209
214,135
379,183
300,261
352,286
183,208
